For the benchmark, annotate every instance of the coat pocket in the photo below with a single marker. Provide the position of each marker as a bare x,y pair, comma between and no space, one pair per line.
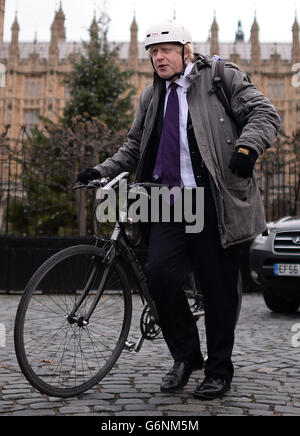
240,189
243,210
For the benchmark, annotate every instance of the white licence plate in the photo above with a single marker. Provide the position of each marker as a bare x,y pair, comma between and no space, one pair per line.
286,269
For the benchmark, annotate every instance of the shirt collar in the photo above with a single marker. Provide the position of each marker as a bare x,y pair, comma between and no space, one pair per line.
183,81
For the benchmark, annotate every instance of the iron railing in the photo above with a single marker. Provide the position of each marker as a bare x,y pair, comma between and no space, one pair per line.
34,203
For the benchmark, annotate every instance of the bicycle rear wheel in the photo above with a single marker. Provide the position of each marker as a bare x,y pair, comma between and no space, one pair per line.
58,356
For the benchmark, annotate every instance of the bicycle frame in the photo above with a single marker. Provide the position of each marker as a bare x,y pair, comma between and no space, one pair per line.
118,246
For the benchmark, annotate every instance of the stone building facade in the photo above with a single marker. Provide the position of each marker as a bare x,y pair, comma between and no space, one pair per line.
35,71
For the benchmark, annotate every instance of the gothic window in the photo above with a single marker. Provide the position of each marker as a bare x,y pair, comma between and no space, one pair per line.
31,118
38,89
276,89
270,90
67,92
33,89
282,118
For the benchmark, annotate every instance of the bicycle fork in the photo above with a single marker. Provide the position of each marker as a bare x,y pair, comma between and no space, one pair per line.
105,264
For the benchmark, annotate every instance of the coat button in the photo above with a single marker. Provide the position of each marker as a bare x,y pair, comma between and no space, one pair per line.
228,141
222,120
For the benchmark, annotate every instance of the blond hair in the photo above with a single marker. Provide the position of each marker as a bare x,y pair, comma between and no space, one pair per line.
189,49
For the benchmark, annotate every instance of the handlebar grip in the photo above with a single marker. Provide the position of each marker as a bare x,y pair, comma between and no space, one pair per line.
96,183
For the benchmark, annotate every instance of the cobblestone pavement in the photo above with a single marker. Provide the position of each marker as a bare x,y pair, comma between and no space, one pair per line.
266,381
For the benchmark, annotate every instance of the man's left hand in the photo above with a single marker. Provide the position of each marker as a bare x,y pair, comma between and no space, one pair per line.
87,175
242,162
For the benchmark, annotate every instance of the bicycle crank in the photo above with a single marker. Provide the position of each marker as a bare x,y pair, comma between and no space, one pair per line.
148,326
134,346
149,330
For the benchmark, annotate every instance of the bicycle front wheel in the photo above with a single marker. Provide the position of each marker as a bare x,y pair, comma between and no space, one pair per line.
61,357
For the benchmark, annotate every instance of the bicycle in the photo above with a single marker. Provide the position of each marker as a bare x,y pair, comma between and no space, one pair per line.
74,317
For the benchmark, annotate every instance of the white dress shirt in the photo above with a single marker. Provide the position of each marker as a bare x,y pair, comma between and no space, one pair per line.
186,169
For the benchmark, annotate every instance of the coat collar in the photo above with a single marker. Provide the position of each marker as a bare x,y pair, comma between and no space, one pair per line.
201,61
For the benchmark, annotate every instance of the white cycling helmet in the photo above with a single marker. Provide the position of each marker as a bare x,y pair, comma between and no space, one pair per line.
169,31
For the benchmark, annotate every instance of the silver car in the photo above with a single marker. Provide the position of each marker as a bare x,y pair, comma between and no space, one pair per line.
275,264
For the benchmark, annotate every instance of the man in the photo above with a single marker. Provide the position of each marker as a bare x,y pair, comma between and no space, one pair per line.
183,136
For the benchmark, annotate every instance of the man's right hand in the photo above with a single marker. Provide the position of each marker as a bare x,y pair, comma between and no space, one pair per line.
85,176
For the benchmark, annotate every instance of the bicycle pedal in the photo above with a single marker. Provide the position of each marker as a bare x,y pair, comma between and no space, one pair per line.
198,313
129,346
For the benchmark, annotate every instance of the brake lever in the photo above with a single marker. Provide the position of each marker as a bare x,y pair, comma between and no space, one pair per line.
91,185
78,187
96,183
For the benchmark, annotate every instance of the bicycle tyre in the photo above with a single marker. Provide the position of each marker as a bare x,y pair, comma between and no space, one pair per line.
47,346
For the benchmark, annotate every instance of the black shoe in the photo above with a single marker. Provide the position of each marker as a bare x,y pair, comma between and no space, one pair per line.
179,375
212,387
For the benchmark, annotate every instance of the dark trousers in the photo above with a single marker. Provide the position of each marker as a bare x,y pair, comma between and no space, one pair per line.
171,255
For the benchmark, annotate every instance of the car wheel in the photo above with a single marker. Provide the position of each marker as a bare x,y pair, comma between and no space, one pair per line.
278,303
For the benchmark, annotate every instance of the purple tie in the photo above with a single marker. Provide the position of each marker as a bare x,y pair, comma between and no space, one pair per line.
167,166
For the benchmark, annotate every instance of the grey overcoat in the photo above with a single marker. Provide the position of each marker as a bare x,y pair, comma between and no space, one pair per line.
238,201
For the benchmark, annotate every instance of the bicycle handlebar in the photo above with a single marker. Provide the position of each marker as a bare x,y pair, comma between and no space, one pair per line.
93,184
106,183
